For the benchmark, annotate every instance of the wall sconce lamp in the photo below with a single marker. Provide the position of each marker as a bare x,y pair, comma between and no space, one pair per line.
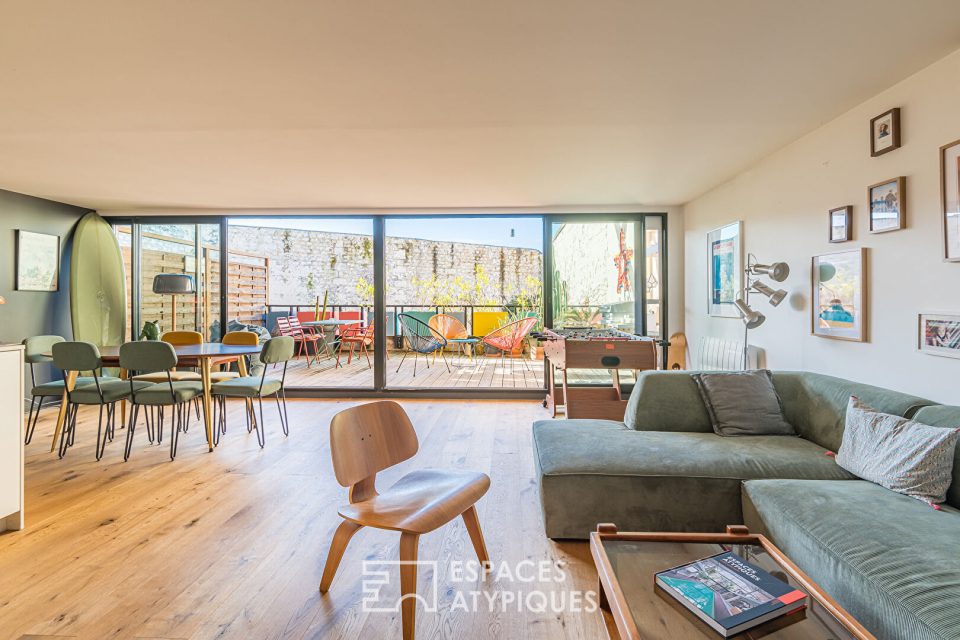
776,271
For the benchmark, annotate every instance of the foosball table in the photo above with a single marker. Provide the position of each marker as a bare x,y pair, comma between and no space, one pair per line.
588,348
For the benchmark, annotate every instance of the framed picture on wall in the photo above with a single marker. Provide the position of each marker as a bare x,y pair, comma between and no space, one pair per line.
939,334
839,295
840,224
38,261
888,206
950,199
885,132
725,269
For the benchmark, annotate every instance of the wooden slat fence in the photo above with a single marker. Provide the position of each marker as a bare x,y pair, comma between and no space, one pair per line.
249,292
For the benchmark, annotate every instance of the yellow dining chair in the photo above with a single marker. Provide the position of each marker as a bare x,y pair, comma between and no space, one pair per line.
238,339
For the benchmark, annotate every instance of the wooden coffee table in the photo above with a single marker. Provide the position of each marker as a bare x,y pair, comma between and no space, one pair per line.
626,564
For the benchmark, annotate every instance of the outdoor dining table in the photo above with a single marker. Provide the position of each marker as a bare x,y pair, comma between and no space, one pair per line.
199,355
330,325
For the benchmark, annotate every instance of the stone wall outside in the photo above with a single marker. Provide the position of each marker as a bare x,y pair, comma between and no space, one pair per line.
304,264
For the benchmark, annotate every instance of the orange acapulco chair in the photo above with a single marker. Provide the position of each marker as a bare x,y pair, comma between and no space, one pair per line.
352,336
369,438
509,337
454,332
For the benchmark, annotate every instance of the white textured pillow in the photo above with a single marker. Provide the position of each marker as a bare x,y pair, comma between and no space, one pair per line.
908,457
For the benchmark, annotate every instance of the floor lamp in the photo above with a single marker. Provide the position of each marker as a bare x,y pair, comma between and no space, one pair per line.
778,272
173,284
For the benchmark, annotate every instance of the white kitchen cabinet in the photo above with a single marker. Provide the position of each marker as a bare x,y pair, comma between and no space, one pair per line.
11,436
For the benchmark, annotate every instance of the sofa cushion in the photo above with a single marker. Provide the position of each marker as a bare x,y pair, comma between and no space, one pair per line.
666,401
743,403
594,471
902,455
816,404
888,559
948,417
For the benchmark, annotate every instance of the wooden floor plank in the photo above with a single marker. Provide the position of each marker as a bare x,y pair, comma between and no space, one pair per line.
231,544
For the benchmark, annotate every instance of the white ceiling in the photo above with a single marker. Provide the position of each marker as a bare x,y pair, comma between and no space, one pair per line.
442,103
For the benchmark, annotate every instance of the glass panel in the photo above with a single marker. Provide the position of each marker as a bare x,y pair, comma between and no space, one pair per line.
125,240
191,250
315,272
653,274
478,282
593,275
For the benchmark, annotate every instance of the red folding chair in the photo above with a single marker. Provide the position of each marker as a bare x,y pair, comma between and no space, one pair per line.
352,336
291,327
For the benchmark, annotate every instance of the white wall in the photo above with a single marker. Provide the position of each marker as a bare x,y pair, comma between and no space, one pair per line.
783,202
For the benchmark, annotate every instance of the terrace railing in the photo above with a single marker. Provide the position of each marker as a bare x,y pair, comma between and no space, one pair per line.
478,318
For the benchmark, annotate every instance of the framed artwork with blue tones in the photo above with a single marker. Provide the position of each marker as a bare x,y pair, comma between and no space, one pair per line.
839,295
950,199
725,267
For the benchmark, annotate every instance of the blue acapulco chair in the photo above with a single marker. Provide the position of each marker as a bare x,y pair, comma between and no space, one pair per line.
421,338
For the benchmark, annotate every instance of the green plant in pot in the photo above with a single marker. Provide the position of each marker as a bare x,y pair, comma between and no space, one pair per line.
150,331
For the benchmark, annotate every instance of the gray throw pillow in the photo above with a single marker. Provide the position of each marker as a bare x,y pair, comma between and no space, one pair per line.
902,455
743,403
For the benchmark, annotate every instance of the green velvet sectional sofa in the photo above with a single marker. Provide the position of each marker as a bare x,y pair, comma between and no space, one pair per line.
890,560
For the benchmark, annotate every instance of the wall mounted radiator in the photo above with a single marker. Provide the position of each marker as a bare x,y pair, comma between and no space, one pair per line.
717,354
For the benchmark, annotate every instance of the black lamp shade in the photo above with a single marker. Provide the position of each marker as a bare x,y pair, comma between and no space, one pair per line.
173,283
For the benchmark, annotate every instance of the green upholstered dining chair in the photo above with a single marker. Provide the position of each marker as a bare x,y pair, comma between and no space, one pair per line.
103,392
151,357
177,339
37,351
275,351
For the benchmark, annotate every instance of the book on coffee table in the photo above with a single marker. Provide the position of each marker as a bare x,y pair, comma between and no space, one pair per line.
729,593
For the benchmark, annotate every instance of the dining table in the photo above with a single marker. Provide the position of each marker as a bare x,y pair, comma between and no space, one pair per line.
192,355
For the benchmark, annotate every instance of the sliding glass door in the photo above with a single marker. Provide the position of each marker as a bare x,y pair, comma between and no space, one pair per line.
608,274
186,249
463,294
311,278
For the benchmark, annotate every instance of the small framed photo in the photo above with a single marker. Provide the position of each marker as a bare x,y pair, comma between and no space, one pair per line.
840,295
38,261
939,334
840,224
885,132
950,199
888,205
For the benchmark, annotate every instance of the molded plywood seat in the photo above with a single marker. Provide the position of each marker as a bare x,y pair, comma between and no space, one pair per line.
365,440
421,501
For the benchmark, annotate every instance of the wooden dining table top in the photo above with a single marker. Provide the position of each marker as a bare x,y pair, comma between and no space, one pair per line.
111,355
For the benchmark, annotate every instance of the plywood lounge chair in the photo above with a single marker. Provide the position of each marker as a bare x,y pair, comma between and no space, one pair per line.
365,440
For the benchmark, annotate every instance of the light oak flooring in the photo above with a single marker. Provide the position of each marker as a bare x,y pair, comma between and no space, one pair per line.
231,544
